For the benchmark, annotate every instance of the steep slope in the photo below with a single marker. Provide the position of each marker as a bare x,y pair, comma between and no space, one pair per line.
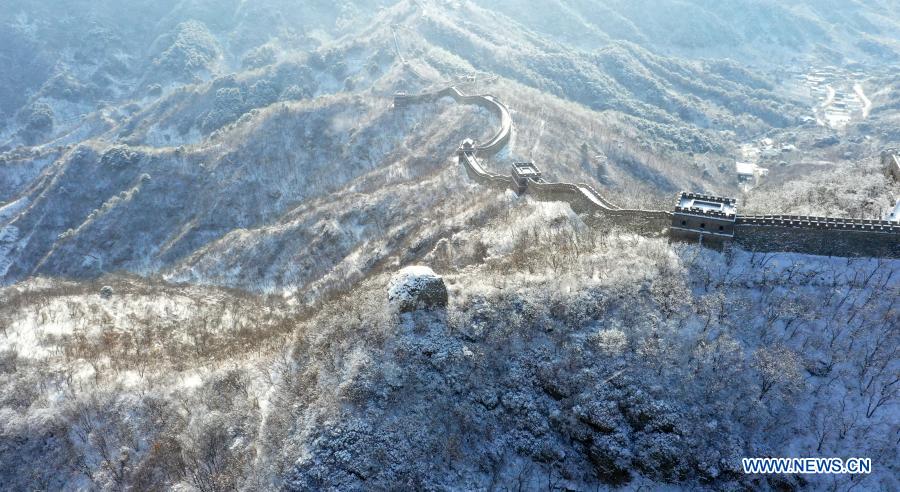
656,368
139,208
258,149
564,357
765,33
73,56
202,203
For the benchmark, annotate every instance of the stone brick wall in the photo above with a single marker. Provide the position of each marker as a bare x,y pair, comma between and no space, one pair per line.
486,178
826,242
487,101
643,221
801,234
562,192
598,213
818,235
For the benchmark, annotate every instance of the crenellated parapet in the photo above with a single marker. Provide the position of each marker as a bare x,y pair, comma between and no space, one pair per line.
476,172
706,205
812,222
487,101
713,220
827,236
522,173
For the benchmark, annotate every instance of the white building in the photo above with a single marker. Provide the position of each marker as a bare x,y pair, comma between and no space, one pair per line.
749,172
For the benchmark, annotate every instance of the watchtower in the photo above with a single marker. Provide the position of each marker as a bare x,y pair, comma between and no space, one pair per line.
466,151
401,99
704,218
522,172
466,147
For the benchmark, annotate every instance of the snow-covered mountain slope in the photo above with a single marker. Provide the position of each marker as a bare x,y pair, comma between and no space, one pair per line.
202,202
757,32
657,367
172,178
562,358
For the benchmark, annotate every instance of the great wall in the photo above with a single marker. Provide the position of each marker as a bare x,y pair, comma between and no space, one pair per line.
709,220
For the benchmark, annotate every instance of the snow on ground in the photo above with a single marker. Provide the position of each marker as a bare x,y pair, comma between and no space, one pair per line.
861,95
10,209
170,137
840,97
556,321
9,236
754,355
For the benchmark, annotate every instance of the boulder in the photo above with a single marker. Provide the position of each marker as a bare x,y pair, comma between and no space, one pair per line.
106,292
417,287
826,142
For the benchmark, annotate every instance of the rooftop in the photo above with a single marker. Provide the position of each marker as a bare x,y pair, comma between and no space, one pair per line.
744,167
526,169
706,204
749,168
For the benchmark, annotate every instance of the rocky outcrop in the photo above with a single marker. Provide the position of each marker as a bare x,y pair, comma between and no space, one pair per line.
106,292
417,287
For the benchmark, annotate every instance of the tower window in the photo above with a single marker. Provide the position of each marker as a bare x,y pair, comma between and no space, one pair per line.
703,225
683,222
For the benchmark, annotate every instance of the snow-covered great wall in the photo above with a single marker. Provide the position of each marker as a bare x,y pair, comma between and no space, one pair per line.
826,236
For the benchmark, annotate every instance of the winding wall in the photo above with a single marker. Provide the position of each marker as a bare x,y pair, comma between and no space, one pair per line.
581,197
803,234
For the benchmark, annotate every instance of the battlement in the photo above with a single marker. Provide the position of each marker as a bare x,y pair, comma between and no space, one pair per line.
705,212
812,222
525,170
706,205
708,219
710,198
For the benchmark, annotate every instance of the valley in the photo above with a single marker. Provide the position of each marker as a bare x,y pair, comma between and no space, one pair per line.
206,208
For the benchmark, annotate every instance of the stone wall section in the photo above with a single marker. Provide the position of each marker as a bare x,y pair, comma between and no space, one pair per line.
827,236
478,174
802,234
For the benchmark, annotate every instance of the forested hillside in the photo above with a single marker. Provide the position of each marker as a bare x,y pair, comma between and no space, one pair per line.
203,202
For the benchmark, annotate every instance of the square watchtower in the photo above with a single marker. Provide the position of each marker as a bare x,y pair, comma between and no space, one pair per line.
522,172
401,99
704,218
